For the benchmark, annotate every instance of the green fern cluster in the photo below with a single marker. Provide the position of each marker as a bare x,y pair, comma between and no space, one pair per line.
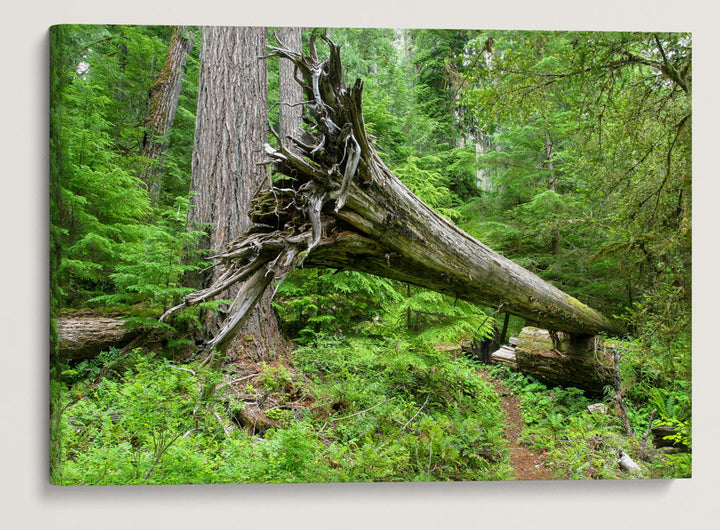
435,318
151,271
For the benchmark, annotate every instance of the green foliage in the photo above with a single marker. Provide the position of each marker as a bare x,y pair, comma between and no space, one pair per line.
91,369
424,179
432,423
102,213
315,303
440,60
118,430
289,455
381,414
151,271
588,141
434,318
581,139
276,378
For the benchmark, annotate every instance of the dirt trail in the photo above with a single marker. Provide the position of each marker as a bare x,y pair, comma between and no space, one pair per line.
527,464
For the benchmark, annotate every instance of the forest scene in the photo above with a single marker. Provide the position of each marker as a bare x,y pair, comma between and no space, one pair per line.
369,255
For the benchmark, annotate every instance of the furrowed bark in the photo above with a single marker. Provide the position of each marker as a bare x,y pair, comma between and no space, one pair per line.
339,206
230,131
162,106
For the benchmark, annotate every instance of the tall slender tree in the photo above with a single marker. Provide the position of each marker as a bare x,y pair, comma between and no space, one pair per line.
231,128
162,106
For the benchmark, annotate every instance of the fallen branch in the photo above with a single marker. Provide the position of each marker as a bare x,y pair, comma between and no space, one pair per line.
183,369
224,427
363,411
618,395
416,414
626,463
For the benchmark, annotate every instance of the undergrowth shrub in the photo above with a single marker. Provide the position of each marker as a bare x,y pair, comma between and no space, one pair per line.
581,444
382,411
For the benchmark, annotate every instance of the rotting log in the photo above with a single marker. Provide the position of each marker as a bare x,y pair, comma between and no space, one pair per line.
664,438
564,360
83,336
334,203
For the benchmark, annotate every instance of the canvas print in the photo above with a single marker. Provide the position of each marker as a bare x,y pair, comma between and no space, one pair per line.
368,255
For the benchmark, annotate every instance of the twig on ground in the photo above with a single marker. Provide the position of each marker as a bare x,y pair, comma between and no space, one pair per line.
225,429
362,411
183,369
618,395
416,414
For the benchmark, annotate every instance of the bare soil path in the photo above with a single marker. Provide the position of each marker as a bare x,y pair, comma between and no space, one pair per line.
527,464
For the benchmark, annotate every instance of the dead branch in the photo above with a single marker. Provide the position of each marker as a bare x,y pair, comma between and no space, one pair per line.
618,395
364,411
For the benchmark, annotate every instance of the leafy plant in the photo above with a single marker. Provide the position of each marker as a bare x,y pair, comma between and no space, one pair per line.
151,271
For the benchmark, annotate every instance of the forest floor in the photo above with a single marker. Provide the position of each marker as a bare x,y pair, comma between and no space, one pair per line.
526,463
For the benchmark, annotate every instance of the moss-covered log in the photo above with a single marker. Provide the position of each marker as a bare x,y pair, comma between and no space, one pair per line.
334,203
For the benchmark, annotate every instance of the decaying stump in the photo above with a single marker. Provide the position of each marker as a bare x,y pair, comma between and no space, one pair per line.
663,439
334,203
83,336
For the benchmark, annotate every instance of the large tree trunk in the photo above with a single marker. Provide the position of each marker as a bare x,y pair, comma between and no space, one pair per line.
231,129
162,106
344,209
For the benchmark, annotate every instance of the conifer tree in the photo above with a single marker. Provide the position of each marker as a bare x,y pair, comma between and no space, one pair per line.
162,106
291,96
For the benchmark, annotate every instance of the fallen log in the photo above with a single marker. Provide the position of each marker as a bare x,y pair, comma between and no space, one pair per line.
506,356
564,360
665,436
337,205
84,336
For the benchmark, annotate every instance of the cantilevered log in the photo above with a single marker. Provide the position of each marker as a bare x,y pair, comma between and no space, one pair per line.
335,203
407,240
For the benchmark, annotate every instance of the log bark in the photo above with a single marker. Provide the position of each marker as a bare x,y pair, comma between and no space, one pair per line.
341,207
84,336
564,360
659,433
